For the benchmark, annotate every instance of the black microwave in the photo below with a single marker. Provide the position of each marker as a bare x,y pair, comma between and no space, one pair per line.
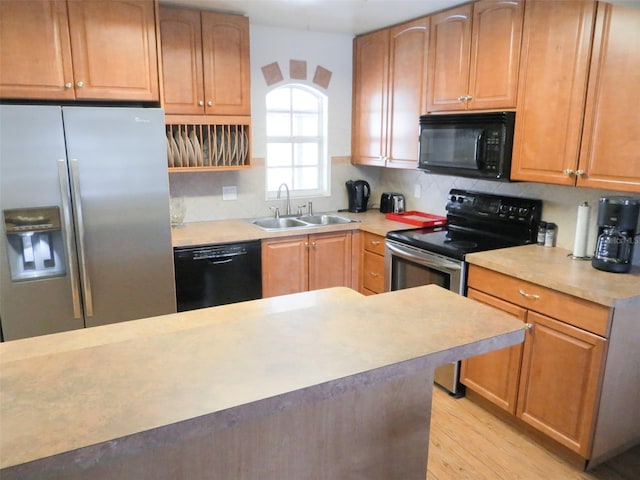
474,145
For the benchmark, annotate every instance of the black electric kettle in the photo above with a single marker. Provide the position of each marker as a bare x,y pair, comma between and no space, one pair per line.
358,192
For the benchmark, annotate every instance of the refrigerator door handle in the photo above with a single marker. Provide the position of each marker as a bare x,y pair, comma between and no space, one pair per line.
68,232
84,271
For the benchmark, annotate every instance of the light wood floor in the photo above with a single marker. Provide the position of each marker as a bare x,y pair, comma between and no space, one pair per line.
467,442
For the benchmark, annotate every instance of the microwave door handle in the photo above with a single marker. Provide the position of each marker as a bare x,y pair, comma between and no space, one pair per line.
479,153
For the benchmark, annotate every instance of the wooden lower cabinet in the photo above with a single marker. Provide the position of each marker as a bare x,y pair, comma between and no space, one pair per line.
559,381
552,381
306,262
372,264
495,375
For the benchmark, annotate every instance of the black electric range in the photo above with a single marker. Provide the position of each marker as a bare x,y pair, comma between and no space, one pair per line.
476,222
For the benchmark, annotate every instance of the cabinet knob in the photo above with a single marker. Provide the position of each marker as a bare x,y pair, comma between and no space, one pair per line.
568,171
528,326
201,103
209,103
462,98
468,98
580,172
68,85
80,84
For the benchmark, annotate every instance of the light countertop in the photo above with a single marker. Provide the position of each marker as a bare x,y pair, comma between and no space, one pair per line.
71,397
553,268
240,230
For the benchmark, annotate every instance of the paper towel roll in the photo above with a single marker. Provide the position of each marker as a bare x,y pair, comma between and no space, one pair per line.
582,231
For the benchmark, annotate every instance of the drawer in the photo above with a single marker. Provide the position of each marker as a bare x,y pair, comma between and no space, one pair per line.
373,272
578,312
374,243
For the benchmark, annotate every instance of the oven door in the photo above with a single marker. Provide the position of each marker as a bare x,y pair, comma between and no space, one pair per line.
407,267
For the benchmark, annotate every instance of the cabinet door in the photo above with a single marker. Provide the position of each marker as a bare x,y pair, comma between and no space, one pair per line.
373,272
559,381
449,49
114,49
181,61
409,44
495,375
556,47
330,260
35,52
370,80
285,266
495,54
225,59
609,154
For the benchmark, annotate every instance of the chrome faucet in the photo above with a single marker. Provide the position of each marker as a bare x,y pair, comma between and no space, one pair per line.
288,197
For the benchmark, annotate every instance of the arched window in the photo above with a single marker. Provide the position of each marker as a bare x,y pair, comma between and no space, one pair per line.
297,141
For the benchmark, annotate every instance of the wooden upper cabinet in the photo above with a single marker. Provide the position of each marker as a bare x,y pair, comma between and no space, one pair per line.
114,49
449,51
609,155
225,55
35,50
474,55
407,97
89,50
205,58
495,54
552,87
390,69
181,41
371,79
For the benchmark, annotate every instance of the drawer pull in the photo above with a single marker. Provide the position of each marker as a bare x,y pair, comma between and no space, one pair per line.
375,243
374,274
532,296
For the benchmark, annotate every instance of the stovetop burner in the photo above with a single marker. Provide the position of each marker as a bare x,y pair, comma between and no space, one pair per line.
477,222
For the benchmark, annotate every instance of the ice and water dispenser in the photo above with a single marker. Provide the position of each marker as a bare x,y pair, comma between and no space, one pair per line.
34,242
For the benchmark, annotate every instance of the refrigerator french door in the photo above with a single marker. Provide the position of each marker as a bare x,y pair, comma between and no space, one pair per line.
86,236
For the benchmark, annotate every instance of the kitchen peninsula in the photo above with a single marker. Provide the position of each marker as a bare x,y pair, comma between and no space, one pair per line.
327,384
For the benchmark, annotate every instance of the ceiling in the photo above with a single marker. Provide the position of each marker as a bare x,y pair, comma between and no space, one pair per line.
349,17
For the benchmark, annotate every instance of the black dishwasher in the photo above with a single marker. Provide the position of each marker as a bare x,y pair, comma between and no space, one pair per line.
212,275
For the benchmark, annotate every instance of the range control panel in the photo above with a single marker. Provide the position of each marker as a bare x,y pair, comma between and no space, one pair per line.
481,205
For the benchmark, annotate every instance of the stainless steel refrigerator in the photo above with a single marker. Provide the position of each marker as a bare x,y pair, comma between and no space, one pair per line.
86,235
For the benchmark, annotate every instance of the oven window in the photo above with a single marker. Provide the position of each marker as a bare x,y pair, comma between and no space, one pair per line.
407,274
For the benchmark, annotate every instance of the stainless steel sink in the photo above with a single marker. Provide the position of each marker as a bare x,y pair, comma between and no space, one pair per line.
326,219
304,221
279,223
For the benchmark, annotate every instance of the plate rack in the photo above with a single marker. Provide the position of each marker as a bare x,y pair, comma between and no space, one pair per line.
198,146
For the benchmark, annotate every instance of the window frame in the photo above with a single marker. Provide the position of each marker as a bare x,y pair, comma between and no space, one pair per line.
321,140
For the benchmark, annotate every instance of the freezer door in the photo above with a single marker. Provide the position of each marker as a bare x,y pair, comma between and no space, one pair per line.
33,173
120,191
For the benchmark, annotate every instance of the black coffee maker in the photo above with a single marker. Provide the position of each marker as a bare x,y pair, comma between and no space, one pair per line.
617,226
358,192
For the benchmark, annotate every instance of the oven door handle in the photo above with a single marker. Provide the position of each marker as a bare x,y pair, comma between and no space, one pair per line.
427,259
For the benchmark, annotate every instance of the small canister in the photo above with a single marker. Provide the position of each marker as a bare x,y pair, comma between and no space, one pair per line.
550,235
542,231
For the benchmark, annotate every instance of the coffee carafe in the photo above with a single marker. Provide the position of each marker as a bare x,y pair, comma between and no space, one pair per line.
617,226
